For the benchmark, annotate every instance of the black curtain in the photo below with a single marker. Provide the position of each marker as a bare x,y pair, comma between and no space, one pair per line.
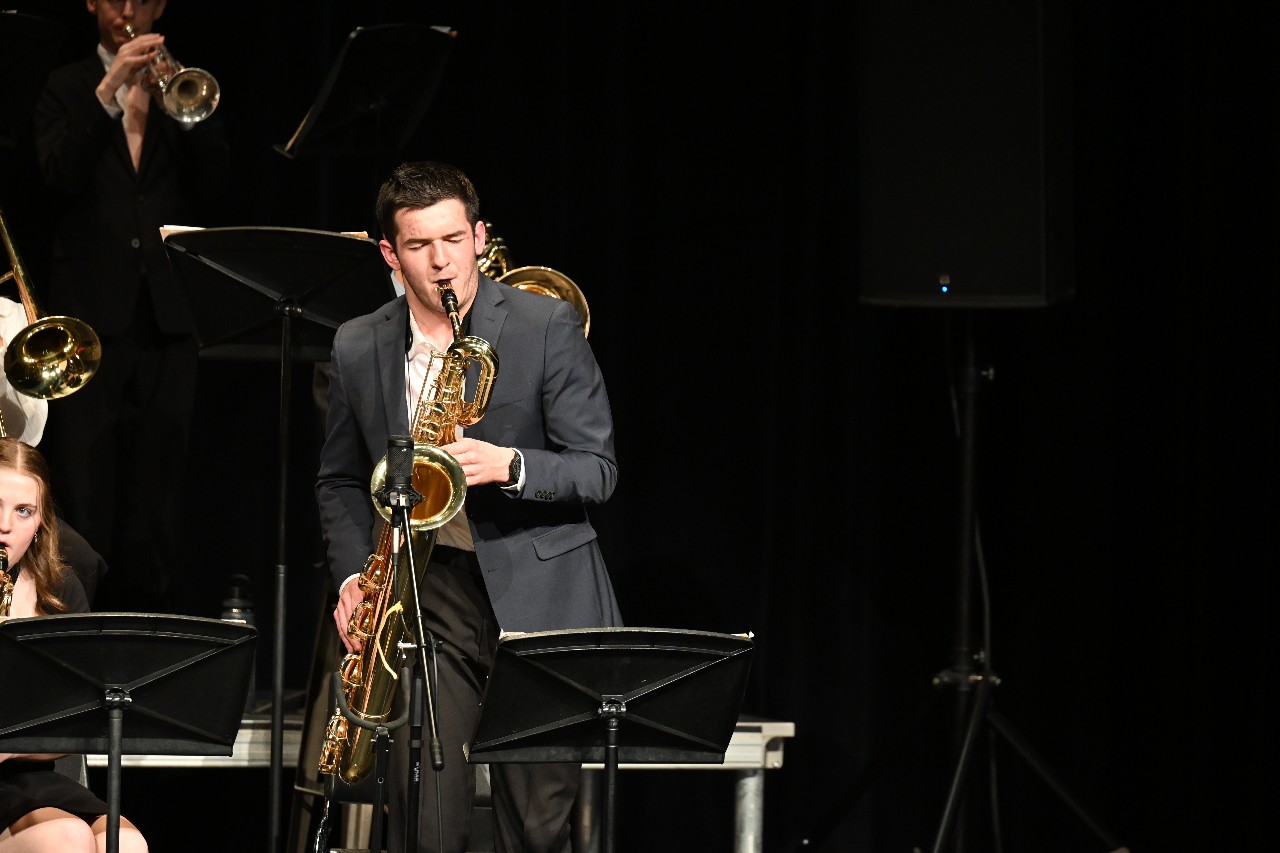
789,457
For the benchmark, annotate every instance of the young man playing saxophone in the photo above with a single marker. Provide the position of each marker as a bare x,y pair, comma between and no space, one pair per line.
522,554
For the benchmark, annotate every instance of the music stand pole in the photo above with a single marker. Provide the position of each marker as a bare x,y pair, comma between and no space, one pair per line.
115,701
612,710
286,309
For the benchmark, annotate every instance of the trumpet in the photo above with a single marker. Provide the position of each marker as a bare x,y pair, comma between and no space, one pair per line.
188,95
50,357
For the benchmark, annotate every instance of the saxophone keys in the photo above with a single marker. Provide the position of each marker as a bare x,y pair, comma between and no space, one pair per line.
335,738
361,626
351,675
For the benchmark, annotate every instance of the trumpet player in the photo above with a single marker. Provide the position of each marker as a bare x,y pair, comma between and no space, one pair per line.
117,168
522,554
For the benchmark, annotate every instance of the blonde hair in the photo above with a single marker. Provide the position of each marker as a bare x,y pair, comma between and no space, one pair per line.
42,561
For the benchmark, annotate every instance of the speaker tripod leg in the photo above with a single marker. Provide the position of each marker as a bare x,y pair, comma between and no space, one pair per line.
964,758
1002,728
858,787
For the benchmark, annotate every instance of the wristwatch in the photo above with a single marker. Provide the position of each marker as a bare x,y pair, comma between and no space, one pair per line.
513,473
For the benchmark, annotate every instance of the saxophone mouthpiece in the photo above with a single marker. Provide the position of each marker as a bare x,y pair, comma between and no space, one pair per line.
449,300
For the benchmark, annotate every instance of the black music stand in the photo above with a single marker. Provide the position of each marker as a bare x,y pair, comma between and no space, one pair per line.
276,294
375,94
182,679
562,696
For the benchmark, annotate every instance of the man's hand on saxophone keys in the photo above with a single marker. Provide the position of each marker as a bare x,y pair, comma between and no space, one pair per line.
481,461
348,599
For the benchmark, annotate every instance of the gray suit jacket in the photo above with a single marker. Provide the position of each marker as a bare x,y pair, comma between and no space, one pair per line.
542,565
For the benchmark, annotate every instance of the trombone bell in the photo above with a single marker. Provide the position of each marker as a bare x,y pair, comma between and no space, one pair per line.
50,357
552,283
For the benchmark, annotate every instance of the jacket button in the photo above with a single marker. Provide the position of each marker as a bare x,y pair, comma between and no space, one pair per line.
135,242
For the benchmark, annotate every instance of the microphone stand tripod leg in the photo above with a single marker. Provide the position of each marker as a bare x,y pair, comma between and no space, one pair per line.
424,696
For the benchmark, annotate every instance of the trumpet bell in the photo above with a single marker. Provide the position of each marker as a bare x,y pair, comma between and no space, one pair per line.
52,357
551,283
191,95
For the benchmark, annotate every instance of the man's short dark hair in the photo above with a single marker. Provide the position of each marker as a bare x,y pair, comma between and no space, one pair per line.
413,186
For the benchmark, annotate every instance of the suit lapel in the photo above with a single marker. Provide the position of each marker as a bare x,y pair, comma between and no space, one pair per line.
488,315
487,311
389,353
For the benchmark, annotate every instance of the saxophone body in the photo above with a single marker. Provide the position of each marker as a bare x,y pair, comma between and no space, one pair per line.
385,618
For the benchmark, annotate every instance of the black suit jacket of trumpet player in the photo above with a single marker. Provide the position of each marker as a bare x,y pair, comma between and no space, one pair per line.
118,444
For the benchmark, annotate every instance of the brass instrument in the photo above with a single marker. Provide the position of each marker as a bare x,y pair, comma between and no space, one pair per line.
52,356
6,584
495,262
188,95
385,616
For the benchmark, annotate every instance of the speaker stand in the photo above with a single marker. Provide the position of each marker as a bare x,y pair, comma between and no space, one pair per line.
970,676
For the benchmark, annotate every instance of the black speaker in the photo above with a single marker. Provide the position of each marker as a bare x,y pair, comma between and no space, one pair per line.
964,153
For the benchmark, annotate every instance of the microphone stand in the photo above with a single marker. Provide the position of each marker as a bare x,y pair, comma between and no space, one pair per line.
422,688
399,495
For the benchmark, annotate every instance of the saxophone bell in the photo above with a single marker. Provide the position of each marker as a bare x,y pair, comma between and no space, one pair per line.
437,477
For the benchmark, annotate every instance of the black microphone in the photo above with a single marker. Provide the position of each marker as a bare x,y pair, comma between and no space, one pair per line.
397,489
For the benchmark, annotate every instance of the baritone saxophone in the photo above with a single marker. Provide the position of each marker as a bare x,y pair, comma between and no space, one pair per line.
384,619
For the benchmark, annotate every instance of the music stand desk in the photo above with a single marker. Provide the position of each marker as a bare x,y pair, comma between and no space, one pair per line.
123,683
612,696
252,749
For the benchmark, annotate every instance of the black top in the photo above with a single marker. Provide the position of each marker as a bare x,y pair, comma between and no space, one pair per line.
29,785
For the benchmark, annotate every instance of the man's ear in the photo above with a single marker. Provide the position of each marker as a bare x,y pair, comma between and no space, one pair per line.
389,254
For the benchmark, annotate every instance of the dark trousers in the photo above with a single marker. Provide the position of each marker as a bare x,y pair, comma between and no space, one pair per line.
531,802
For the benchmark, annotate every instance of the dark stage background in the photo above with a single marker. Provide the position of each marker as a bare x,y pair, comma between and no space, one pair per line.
789,457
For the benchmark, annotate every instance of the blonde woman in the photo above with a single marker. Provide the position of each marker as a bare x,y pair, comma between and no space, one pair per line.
41,809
